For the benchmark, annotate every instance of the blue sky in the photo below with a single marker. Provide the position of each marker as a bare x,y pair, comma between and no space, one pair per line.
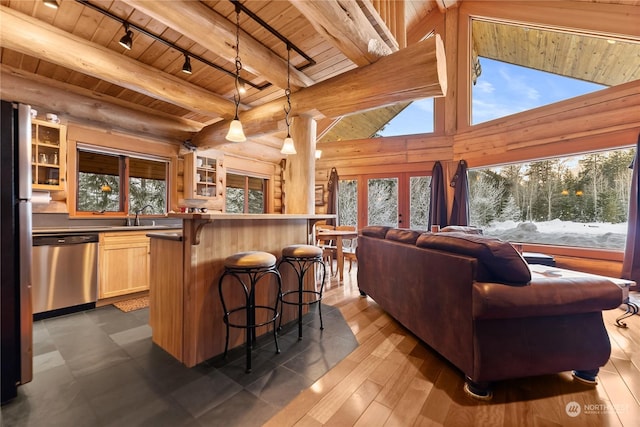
502,89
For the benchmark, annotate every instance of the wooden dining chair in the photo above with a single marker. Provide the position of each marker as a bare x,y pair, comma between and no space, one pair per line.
349,245
329,250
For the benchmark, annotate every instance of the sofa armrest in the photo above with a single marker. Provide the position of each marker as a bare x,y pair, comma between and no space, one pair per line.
551,297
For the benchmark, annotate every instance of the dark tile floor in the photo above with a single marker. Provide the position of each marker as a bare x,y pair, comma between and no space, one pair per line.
100,368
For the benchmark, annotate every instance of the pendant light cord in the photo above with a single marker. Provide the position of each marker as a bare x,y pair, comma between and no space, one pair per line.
236,96
287,92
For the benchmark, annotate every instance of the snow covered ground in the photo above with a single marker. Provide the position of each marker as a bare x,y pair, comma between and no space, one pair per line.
557,232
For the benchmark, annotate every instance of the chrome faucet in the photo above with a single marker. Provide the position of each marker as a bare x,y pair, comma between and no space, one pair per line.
138,212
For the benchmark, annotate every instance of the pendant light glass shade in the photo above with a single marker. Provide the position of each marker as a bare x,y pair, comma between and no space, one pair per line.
53,4
318,154
236,133
287,146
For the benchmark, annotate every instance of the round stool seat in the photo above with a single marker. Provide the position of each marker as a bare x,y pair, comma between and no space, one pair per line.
302,251
254,259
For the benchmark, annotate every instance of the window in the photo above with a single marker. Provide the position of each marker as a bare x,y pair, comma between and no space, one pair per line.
116,182
580,201
416,117
348,202
419,201
517,68
245,194
398,200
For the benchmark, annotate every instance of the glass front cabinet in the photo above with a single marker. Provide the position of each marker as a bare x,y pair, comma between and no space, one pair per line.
48,155
204,175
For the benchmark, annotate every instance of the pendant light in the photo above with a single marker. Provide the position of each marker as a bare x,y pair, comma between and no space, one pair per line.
287,146
236,133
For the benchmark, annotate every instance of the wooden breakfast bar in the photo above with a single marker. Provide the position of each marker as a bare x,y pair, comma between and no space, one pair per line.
185,312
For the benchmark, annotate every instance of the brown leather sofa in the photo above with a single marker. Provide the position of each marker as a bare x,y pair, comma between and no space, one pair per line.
471,298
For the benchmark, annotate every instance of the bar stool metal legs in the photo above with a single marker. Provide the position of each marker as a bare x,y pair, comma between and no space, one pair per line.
302,258
253,266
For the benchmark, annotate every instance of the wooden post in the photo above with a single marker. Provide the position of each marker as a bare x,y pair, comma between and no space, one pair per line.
301,168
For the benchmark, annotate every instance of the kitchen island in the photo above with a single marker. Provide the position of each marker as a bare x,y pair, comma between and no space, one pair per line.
185,310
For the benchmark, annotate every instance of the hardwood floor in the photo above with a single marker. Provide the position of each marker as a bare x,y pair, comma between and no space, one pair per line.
393,379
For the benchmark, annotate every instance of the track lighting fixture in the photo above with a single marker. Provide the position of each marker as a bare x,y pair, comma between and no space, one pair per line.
236,133
127,40
287,146
53,4
186,67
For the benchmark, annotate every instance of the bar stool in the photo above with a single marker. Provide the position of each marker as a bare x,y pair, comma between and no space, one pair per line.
301,258
256,265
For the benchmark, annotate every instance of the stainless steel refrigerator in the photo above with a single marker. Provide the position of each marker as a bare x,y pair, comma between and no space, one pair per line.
16,317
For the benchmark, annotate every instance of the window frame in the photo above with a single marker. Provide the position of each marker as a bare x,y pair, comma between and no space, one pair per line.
404,196
124,156
265,191
577,252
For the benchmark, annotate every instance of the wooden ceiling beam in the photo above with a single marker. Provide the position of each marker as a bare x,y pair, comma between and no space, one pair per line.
36,38
345,25
214,32
417,72
88,107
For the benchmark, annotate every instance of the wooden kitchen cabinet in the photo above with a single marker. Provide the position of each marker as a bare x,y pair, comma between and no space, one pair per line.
204,176
123,263
48,155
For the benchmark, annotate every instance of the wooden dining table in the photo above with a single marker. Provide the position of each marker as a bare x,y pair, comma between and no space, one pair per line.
338,236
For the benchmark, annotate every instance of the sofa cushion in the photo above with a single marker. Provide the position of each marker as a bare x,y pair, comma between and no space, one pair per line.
403,235
502,263
379,231
462,229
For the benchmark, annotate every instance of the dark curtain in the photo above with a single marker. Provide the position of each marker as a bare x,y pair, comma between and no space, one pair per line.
631,263
332,201
438,203
460,209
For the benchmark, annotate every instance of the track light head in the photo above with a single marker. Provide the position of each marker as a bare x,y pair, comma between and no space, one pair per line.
53,4
186,67
127,40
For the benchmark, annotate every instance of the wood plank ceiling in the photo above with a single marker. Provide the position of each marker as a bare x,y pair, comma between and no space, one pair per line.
206,28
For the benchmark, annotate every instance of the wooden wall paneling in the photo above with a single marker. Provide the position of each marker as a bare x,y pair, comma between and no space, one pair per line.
581,124
120,141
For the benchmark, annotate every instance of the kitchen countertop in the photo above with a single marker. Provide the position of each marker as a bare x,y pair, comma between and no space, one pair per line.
239,216
166,235
98,228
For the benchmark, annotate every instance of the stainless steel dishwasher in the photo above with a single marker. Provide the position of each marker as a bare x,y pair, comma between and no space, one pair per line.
64,272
